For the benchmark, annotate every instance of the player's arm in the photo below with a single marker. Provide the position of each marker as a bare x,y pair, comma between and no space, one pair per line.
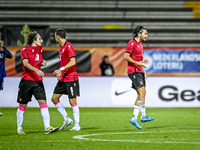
7,52
30,67
70,64
128,58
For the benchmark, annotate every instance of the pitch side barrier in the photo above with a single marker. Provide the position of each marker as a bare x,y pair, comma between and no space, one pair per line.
96,91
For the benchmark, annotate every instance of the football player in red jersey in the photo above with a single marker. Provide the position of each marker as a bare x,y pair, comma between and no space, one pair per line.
68,82
31,82
134,57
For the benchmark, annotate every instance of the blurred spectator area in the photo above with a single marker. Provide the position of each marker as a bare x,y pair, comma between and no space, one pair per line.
109,22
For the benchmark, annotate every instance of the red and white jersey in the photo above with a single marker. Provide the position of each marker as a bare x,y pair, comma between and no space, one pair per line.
66,52
136,51
34,54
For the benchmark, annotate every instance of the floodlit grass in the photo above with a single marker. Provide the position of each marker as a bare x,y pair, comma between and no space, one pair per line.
104,129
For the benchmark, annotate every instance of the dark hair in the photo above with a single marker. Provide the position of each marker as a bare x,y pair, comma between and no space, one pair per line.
104,57
61,33
137,30
32,37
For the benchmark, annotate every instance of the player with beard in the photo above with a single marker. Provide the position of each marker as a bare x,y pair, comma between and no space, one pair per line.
134,57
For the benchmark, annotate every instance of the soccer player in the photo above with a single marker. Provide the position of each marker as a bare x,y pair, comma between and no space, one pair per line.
68,82
31,82
4,53
134,57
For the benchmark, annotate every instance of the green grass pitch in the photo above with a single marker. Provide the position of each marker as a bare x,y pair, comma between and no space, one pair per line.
104,129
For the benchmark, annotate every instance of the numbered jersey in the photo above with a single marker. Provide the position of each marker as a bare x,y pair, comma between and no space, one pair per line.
34,54
66,52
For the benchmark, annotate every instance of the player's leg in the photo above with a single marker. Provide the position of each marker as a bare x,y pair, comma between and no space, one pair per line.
73,92
61,109
141,100
40,96
23,97
76,114
1,88
46,117
20,118
58,91
44,113
139,106
142,105
59,105
137,84
136,111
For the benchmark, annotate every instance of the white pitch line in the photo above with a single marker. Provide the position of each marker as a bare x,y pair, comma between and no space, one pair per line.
43,141
86,137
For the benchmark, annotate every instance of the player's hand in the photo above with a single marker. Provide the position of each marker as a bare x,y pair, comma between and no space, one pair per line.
56,72
58,76
140,64
44,63
145,74
39,73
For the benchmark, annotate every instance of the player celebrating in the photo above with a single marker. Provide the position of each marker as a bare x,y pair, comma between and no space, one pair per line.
134,56
31,82
68,80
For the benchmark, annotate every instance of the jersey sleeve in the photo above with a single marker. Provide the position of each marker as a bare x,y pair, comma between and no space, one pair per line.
7,52
130,47
24,53
71,51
